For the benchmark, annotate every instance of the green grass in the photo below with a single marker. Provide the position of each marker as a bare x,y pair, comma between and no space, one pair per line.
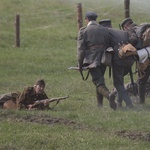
48,47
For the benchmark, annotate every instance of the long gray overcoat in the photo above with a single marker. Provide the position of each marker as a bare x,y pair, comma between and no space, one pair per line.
92,41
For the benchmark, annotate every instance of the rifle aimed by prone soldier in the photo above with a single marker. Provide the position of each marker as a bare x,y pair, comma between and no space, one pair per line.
46,102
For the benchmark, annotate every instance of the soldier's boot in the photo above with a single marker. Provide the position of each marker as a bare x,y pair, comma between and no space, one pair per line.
103,90
119,101
119,105
99,98
142,94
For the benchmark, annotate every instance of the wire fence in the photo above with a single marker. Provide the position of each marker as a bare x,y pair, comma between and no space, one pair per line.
137,8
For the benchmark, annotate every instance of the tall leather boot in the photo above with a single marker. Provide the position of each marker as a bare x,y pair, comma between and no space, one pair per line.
122,95
103,90
99,98
142,89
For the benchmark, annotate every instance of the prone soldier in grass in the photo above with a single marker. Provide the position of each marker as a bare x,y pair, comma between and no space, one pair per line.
31,94
25,99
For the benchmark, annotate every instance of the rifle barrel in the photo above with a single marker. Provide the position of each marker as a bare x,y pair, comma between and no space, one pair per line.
49,100
57,99
73,68
77,68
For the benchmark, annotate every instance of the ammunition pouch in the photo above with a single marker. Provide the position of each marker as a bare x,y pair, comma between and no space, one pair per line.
107,57
126,50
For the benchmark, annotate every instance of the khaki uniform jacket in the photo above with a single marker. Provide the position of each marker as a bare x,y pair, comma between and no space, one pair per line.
92,41
28,96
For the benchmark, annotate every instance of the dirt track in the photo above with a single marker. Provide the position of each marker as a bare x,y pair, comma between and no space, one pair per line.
134,135
48,120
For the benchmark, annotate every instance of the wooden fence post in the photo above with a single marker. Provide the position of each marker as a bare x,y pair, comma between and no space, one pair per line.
17,30
79,15
127,8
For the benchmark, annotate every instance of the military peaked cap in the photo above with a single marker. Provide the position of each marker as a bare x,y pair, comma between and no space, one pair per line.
40,82
105,23
126,20
91,15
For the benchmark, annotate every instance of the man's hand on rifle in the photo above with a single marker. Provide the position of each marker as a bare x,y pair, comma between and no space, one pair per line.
30,107
80,67
46,102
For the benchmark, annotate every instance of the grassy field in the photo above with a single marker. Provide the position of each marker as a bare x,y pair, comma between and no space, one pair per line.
48,47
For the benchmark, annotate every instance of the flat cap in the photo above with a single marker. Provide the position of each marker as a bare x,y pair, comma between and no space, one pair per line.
90,15
40,82
126,20
105,23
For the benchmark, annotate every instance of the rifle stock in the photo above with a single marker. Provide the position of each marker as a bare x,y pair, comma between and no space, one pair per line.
48,100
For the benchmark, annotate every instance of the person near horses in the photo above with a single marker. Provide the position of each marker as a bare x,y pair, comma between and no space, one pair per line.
120,67
143,74
91,42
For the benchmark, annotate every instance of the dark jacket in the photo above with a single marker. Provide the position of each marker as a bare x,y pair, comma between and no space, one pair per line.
133,36
119,64
117,37
92,41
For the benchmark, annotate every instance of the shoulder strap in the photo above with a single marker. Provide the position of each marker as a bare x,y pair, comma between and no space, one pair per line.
132,82
109,72
84,78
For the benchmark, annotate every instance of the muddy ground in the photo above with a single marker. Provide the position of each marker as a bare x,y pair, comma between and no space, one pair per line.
48,120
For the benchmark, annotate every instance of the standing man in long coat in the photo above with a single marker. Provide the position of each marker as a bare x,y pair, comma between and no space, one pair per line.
91,43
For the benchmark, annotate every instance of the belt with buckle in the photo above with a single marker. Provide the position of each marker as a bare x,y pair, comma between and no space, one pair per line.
95,46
